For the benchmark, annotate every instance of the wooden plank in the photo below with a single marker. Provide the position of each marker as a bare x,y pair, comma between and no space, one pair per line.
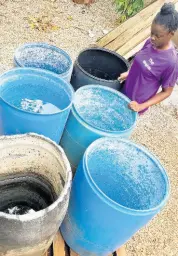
128,35
133,22
130,23
137,39
58,246
136,49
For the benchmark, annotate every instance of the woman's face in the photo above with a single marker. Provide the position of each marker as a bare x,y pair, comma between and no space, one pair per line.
160,36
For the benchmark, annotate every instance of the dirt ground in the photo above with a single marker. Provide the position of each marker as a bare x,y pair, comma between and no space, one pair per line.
73,28
158,131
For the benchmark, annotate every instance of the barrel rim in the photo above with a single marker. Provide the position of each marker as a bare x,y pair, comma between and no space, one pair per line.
103,50
61,197
93,128
42,45
113,203
36,71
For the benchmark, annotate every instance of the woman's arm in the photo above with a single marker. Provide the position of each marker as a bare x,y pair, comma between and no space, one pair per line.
165,93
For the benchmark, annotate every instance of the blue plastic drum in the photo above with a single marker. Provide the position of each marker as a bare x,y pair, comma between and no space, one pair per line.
97,111
117,189
44,56
34,100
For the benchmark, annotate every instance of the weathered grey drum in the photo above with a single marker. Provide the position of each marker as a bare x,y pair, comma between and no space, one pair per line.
35,183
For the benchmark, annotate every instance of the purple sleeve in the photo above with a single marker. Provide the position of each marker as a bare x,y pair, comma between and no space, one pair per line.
170,76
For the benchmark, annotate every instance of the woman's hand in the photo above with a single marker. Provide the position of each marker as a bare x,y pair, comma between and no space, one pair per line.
123,77
165,93
135,106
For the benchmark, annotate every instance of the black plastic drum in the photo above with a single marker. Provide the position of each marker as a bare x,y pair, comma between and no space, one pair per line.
98,66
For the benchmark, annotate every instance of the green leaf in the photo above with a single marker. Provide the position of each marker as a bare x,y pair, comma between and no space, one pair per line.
123,18
128,8
129,11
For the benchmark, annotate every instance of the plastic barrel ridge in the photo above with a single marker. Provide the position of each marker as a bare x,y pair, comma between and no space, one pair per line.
97,111
33,159
44,56
118,188
22,88
98,66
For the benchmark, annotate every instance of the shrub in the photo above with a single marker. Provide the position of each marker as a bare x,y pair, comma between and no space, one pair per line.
128,8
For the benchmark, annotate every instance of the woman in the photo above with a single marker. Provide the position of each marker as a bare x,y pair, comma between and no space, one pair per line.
155,65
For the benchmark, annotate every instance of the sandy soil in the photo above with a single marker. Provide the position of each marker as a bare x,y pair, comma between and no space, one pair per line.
158,131
80,26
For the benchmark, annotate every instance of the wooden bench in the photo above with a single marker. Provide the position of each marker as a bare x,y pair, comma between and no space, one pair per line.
129,37
59,248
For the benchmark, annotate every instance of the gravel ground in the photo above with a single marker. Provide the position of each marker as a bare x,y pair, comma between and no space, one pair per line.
158,131
80,26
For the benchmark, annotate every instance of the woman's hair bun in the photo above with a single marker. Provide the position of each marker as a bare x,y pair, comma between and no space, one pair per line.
167,17
167,8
